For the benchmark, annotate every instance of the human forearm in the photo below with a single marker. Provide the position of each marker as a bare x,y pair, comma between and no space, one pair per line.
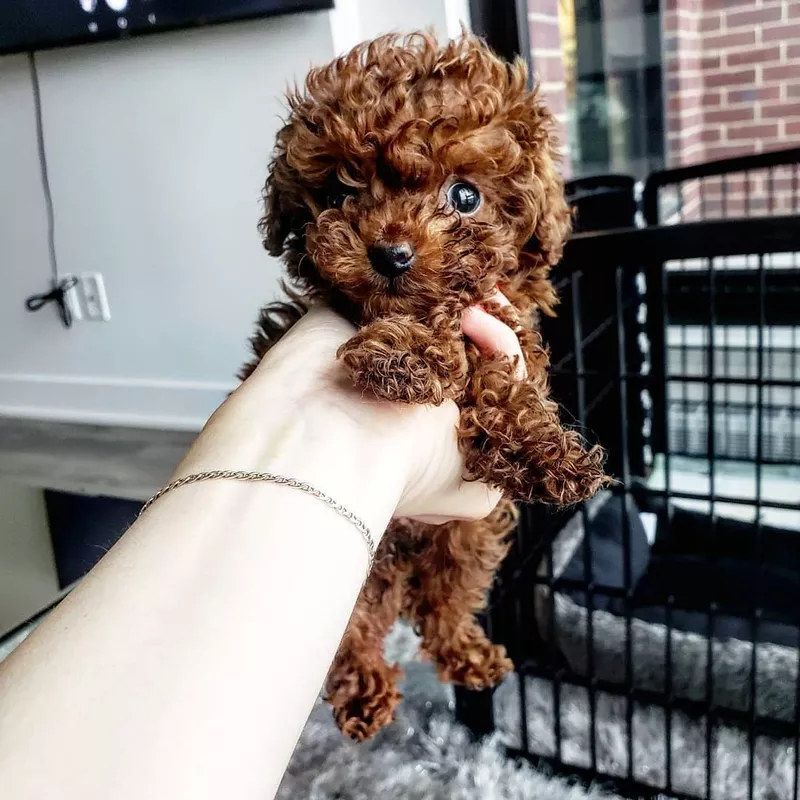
189,662
186,662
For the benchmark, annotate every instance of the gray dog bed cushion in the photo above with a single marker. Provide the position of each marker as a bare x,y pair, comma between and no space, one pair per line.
600,557
675,567
736,584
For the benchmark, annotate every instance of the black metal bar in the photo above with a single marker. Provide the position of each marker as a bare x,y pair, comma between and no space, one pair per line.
626,526
523,689
712,607
685,385
733,456
737,303
656,329
668,554
552,634
475,710
599,397
598,331
757,544
740,281
739,501
795,353
721,166
589,588
727,385
579,585
607,180
567,584
517,630
575,585
650,204
796,777
683,378
710,238
711,168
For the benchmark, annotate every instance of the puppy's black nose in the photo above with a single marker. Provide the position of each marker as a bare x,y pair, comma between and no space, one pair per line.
391,260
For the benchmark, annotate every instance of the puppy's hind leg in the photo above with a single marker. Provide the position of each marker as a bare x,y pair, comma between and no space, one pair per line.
361,687
455,573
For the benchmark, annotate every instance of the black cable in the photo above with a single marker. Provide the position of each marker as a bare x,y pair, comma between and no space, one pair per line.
58,287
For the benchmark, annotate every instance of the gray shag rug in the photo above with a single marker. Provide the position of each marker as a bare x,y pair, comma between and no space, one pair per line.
424,755
730,748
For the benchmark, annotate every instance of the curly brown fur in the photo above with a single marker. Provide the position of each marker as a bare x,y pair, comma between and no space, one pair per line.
372,144
399,358
454,574
361,686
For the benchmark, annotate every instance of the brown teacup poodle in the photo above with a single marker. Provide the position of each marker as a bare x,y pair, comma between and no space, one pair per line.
409,182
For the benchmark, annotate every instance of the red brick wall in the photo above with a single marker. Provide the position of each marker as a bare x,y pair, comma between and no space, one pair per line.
732,70
732,87
686,97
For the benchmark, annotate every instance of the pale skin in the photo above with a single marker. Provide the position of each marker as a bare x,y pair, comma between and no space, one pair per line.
186,663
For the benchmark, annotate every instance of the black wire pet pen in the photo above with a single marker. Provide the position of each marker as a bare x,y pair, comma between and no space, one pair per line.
656,631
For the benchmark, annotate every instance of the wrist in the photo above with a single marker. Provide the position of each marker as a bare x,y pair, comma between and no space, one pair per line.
348,447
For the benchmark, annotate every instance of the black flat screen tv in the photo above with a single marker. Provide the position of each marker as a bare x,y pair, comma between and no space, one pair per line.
39,24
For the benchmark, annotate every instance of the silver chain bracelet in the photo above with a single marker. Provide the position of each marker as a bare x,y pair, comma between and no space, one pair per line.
268,477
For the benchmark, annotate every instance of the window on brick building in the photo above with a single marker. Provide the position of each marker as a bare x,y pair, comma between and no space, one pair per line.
600,67
643,84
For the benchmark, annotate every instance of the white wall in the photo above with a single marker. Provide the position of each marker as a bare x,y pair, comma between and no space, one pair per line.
157,150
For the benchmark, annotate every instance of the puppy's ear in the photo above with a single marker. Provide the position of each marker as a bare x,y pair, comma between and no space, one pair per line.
553,215
276,224
545,247
550,216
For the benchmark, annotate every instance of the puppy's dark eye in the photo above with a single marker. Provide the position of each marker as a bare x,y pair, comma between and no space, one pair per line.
337,197
464,197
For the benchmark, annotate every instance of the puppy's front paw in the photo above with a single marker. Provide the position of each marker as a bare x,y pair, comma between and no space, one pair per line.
399,376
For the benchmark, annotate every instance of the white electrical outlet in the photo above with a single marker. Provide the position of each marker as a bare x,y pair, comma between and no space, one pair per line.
88,300
72,298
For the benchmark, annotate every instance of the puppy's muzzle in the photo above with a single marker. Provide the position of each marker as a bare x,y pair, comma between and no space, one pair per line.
391,260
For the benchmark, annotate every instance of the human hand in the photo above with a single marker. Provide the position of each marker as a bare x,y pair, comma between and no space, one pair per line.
299,415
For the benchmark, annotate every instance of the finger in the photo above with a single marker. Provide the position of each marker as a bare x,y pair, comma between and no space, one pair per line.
492,336
470,500
498,297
